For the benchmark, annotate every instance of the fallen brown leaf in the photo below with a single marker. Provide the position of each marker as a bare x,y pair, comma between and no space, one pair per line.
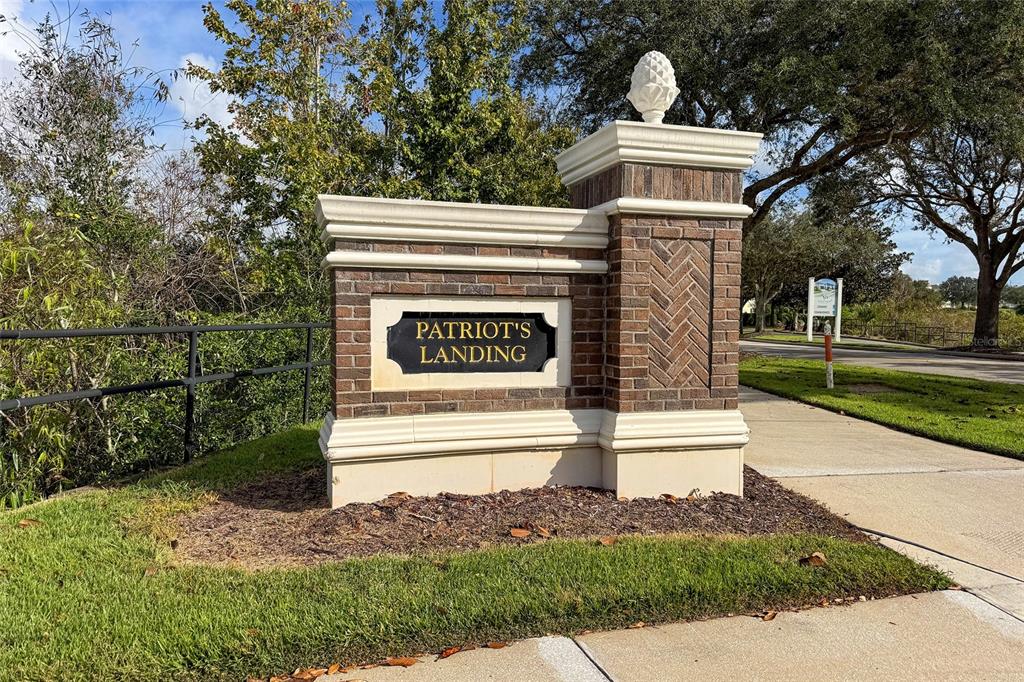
150,571
770,615
816,559
669,497
400,495
543,532
497,645
607,540
519,532
638,624
450,651
333,668
28,523
401,661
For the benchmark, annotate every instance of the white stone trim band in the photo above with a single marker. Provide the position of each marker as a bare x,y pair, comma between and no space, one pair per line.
375,219
657,144
674,207
425,261
689,429
432,435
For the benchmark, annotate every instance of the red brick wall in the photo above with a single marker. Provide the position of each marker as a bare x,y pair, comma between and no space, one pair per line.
673,291
657,182
352,290
659,332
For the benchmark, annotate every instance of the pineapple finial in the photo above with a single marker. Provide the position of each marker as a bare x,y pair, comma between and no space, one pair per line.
653,86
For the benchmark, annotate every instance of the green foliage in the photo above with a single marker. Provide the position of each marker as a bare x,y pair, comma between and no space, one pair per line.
980,415
452,127
825,81
960,291
294,135
417,106
94,586
96,230
921,306
790,246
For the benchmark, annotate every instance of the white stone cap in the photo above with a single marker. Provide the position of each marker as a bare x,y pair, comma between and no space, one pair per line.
657,144
446,222
430,435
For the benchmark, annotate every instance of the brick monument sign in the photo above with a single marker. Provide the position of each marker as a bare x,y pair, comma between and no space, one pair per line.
483,347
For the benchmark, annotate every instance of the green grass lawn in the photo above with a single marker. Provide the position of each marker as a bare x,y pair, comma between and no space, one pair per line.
982,415
848,343
90,589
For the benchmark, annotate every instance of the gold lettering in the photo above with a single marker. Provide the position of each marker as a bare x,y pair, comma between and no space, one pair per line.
423,356
490,330
506,325
525,330
459,352
476,354
421,327
465,330
519,353
435,332
501,351
442,356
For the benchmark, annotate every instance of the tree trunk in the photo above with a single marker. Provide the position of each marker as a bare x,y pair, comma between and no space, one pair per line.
760,306
986,320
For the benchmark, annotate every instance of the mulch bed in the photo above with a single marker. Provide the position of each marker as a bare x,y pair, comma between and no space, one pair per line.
286,520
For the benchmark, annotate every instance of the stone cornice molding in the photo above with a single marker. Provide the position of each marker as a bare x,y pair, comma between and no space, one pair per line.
375,260
657,144
432,435
443,222
674,207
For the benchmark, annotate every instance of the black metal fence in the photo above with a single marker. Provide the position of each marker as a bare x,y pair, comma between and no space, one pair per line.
910,333
189,382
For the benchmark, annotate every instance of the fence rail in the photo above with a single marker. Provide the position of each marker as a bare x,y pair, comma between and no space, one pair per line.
189,382
911,333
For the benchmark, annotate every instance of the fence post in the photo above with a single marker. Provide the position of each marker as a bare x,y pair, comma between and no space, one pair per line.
309,374
190,396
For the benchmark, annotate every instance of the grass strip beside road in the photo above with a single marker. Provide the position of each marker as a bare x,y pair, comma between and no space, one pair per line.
90,587
981,415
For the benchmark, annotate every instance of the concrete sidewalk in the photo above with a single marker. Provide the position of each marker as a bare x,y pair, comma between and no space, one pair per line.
955,508
958,509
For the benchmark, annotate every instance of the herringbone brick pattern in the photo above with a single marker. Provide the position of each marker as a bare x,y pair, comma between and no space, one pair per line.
680,314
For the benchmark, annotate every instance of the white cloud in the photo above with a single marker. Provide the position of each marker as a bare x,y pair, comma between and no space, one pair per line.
10,43
935,258
192,98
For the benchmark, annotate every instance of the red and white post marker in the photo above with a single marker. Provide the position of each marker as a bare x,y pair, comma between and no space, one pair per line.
828,355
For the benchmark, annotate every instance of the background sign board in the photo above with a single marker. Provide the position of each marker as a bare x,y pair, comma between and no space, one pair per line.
471,342
825,298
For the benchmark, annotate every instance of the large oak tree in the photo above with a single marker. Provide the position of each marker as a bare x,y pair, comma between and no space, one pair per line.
825,81
966,182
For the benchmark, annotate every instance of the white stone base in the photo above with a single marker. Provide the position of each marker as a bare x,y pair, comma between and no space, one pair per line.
677,472
637,455
469,474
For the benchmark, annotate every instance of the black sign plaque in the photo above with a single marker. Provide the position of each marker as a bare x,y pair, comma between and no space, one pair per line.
471,342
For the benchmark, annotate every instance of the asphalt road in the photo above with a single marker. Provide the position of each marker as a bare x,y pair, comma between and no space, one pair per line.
1007,371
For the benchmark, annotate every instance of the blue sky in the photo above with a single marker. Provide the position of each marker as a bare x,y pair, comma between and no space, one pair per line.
170,33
